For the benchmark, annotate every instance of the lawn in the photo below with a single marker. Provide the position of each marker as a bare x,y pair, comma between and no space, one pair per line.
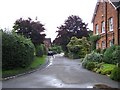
35,64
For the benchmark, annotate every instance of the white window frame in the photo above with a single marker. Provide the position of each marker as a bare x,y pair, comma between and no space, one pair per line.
110,24
111,43
97,45
103,44
96,29
103,27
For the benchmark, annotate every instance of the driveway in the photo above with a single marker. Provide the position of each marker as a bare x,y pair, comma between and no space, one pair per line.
60,73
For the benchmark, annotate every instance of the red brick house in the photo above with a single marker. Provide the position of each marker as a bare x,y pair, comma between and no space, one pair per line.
47,43
106,23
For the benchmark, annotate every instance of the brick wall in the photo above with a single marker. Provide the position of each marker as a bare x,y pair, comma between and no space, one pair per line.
100,17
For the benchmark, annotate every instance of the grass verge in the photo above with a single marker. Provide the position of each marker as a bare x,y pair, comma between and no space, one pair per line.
35,64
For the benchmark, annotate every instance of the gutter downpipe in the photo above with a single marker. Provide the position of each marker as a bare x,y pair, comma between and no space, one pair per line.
118,25
105,3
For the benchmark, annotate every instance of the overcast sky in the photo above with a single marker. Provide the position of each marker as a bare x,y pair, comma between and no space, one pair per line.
51,13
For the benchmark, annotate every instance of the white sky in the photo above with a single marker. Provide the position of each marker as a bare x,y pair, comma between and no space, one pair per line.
51,13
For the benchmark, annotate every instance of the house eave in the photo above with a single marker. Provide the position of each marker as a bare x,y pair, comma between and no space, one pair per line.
94,14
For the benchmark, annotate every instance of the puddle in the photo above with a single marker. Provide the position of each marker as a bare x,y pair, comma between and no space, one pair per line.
50,60
89,86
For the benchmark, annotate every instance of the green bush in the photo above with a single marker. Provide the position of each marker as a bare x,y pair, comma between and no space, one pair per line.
39,50
78,47
115,75
103,51
98,50
84,64
93,40
108,56
56,49
90,65
111,55
116,56
105,69
16,51
94,57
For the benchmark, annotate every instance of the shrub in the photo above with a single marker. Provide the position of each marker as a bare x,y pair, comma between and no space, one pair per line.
90,65
105,69
84,64
115,75
98,50
116,56
56,49
93,40
78,47
39,50
94,57
103,51
108,56
17,51
112,56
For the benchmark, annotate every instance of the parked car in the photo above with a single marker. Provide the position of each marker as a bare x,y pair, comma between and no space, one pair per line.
50,53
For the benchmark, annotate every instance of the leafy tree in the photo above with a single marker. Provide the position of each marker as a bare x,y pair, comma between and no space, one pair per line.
93,40
78,48
73,26
30,29
56,49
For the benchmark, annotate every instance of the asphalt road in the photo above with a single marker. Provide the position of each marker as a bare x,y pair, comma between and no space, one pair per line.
60,73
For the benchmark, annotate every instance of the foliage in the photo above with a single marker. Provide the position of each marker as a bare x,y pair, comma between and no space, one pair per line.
17,51
111,55
103,51
115,75
30,29
39,50
78,48
116,56
93,40
73,26
56,49
106,69
90,65
95,57
98,50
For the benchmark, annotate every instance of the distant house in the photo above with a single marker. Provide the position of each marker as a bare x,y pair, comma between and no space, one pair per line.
47,43
106,23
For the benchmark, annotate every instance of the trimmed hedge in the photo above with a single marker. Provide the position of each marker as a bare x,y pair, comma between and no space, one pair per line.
17,51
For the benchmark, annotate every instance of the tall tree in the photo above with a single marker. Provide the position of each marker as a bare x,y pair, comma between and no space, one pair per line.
73,26
30,29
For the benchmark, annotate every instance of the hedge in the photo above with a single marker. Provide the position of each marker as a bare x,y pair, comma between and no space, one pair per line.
17,51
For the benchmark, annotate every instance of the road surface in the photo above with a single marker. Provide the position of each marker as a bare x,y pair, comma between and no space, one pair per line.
60,73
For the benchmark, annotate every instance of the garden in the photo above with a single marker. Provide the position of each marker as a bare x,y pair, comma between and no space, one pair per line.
78,42
105,62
